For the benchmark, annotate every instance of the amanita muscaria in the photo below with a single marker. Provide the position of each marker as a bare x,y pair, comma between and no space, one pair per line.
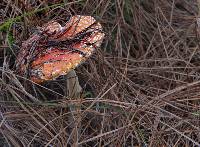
55,50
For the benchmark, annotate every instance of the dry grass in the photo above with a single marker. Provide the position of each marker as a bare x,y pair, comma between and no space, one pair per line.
141,88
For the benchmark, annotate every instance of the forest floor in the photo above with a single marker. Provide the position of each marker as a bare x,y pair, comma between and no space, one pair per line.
140,88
